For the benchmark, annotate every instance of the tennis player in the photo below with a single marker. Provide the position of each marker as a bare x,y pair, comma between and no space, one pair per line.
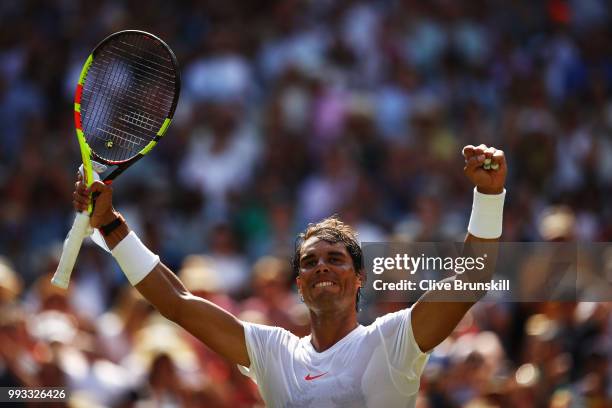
341,363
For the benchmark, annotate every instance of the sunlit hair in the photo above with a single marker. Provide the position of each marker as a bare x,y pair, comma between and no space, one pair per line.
331,230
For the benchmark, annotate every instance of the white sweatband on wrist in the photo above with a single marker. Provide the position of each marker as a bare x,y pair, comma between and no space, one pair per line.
134,258
487,215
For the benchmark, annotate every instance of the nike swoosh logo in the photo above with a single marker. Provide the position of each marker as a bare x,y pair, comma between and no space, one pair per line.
309,378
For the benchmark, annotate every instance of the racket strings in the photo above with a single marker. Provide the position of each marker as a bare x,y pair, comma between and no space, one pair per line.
166,58
148,64
134,95
147,74
138,92
128,93
125,142
168,92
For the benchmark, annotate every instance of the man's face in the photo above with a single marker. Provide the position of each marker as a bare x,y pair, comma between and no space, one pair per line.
327,277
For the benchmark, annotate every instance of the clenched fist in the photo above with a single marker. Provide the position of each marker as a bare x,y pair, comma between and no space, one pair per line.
103,209
489,178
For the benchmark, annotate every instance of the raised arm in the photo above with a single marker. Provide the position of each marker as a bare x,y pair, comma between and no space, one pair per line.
433,320
214,326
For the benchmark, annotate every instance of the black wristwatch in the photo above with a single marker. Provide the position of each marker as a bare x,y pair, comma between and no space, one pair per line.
111,226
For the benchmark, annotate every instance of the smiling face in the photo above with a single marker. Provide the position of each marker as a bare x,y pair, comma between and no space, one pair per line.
326,275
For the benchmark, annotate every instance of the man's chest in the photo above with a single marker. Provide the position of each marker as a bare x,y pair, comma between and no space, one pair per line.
335,380
326,386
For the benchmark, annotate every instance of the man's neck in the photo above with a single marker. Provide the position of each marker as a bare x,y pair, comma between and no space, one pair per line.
330,328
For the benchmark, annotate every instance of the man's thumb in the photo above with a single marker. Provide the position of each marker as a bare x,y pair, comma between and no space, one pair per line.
98,187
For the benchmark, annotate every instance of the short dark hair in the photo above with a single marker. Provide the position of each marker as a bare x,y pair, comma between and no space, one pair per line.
331,230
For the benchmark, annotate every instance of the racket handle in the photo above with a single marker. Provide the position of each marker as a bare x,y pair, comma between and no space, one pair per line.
72,246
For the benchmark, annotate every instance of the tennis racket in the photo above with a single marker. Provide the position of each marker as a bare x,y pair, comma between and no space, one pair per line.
123,105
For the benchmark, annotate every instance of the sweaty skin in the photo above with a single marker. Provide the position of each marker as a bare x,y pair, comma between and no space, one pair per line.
332,307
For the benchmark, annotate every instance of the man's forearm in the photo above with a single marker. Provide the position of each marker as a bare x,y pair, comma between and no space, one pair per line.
163,290
474,247
484,230
215,327
166,286
209,323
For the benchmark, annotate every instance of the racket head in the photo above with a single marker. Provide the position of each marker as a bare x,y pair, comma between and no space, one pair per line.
125,100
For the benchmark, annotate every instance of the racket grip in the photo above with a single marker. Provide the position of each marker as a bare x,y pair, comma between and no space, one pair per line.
72,246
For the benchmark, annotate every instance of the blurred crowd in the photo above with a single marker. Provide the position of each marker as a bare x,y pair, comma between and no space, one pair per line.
291,111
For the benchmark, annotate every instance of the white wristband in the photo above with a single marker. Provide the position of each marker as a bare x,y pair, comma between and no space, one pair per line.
134,258
487,215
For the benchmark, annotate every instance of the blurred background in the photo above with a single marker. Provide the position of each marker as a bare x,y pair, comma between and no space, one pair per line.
291,111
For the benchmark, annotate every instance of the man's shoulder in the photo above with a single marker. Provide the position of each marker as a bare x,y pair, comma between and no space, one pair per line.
269,333
391,319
